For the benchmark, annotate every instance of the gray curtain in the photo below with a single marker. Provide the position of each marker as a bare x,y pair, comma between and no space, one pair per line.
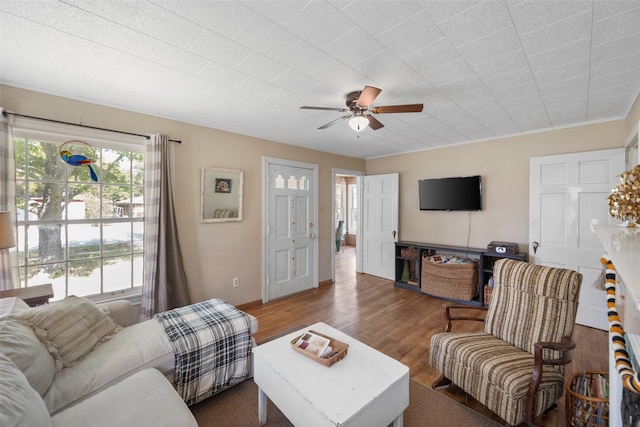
165,282
9,277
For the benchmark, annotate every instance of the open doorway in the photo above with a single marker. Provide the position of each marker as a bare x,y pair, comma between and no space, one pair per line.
347,217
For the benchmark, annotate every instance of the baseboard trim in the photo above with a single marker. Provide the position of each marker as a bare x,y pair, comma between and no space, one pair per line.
258,303
250,304
326,282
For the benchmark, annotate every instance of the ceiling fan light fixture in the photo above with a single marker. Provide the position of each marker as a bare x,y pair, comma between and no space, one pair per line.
358,123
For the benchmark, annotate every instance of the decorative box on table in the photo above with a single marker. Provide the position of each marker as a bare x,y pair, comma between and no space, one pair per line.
338,352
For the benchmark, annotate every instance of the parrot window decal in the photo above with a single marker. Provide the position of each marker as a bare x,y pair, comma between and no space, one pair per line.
79,154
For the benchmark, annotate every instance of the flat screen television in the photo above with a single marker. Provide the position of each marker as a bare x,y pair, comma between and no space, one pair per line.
451,194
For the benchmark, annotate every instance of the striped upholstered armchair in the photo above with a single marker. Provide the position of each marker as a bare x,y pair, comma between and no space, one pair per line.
515,367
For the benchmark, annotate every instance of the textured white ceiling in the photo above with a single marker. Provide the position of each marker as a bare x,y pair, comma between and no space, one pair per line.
483,69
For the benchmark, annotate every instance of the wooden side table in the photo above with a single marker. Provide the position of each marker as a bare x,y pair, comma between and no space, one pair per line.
33,295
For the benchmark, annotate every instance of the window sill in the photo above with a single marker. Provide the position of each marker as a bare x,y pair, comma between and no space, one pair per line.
134,296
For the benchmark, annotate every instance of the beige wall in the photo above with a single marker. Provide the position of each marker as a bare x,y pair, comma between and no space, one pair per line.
213,253
504,167
632,120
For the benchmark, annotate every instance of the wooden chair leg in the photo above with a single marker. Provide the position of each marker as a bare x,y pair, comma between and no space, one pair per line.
544,414
441,382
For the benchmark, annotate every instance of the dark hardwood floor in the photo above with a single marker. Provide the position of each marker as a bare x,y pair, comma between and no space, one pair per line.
399,323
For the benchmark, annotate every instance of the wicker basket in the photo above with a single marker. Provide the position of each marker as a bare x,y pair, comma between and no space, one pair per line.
338,352
454,281
581,408
411,253
487,294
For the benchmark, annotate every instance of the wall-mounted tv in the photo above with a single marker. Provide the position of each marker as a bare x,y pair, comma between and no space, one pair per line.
451,194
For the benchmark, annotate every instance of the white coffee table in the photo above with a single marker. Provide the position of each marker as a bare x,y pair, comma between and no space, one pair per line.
366,388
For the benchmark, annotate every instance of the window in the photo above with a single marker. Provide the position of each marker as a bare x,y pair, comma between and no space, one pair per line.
353,208
83,237
341,203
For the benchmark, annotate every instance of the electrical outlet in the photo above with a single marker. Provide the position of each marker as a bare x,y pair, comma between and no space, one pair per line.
235,282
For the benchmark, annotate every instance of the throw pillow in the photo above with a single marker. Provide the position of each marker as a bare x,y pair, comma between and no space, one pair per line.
20,405
19,343
12,305
18,340
70,328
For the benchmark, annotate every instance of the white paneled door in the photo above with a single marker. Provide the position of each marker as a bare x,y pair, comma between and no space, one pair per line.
567,198
290,251
380,225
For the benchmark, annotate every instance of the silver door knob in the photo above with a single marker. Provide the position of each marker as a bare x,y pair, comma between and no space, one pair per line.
535,245
312,236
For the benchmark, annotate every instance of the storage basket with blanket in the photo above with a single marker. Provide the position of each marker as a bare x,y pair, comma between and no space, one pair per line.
449,276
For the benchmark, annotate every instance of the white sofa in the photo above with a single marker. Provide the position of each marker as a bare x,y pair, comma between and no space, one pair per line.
125,372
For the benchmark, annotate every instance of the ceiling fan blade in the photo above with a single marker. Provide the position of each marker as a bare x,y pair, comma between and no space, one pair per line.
306,107
409,108
333,122
368,95
373,122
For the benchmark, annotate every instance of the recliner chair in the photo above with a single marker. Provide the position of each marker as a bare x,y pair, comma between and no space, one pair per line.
515,367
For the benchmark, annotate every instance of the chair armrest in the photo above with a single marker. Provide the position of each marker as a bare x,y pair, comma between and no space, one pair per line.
565,346
449,318
120,310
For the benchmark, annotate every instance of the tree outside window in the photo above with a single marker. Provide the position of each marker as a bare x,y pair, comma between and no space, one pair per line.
83,237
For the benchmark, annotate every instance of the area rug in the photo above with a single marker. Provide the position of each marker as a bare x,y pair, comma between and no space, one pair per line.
238,407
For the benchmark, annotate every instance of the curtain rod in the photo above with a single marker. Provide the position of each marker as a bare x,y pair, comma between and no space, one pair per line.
4,113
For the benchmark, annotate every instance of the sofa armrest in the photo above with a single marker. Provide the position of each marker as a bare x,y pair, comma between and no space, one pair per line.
145,399
120,310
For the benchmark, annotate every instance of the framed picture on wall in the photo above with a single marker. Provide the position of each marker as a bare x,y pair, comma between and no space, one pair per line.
221,199
223,185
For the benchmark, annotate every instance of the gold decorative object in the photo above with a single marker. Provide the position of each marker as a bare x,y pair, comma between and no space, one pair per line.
624,201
